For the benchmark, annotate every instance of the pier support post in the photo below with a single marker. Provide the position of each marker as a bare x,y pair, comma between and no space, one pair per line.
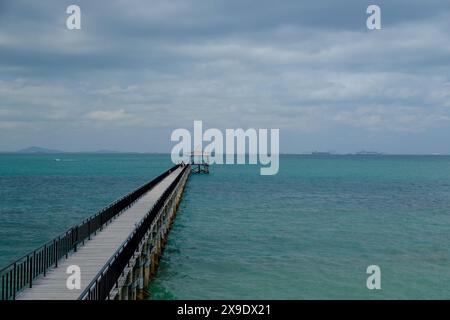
140,294
127,286
146,265
135,279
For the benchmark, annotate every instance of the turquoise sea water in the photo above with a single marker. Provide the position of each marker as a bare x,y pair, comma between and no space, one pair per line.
307,233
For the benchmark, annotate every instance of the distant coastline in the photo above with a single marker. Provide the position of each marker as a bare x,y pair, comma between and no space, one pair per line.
34,150
40,150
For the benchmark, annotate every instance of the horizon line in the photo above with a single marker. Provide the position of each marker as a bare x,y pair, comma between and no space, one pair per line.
358,153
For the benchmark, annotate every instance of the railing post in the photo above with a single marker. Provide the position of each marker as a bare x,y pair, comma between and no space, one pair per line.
32,268
55,246
14,283
27,271
3,287
75,239
44,258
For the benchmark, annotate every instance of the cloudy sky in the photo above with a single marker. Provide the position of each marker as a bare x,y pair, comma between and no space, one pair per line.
140,68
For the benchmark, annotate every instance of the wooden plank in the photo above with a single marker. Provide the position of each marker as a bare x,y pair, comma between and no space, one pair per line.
96,252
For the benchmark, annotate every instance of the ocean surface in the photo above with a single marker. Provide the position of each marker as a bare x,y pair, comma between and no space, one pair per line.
309,232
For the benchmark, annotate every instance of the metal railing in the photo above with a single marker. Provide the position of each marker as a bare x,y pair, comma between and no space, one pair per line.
21,273
107,278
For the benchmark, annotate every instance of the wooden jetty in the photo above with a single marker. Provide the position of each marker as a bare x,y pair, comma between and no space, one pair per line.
117,250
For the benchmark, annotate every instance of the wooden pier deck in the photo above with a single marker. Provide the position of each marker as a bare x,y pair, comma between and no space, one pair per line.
95,253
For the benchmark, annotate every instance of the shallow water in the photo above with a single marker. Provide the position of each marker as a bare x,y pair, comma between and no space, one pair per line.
312,231
308,232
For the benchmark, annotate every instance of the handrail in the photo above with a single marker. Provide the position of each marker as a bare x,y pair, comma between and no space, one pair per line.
22,272
105,280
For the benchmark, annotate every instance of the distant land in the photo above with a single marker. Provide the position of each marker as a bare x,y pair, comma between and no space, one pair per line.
106,151
38,150
369,153
329,153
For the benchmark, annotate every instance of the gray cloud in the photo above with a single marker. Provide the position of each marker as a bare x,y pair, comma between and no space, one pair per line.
140,68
